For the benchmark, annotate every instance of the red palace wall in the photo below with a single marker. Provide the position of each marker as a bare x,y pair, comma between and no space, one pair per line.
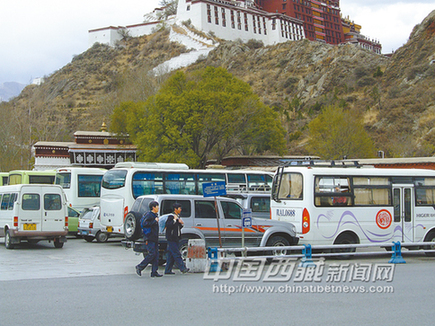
321,20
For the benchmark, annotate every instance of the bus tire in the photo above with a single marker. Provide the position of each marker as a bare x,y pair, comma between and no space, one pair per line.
101,237
430,238
8,240
132,229
345,238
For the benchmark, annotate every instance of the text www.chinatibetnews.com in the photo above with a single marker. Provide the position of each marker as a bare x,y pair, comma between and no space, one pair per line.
328,289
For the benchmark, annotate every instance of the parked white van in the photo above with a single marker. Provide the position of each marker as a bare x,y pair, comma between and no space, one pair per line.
33,212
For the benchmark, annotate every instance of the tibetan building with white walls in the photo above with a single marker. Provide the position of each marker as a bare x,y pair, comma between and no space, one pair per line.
99,149
269,21
228,20
232,20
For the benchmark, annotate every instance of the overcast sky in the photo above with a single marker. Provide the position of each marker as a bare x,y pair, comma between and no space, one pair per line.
38,37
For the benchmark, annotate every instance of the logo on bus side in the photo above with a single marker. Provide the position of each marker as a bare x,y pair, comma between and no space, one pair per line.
383,219
285,212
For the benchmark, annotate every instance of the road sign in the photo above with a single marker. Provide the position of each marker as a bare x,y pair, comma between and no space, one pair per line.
247,218
247,222
211,189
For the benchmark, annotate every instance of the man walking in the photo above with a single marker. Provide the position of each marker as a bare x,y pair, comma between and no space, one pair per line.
174,224
150,225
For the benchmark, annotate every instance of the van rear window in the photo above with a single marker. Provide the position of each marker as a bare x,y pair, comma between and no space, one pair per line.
52,202
31,202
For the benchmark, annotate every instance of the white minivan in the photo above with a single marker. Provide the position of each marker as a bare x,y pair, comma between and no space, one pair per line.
33,212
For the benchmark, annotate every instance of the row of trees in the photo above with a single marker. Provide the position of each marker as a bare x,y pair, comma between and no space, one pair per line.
209,114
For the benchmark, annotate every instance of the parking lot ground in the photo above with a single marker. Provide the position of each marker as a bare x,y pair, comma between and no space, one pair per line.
79,258
95,283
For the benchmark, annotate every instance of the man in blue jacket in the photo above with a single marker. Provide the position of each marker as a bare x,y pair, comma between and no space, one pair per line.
174,224
151,237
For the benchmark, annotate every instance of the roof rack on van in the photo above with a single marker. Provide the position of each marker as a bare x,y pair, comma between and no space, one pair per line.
243,189
320,163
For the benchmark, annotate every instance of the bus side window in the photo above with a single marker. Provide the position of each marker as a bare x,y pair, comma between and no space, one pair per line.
323,201
425,196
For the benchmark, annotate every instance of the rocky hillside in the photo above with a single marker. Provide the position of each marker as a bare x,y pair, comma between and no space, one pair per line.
81,95
396,96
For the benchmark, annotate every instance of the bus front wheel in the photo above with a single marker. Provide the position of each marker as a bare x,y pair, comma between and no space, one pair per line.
430,238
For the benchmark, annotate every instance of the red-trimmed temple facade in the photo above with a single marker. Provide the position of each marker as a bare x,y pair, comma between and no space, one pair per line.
99,149
322,21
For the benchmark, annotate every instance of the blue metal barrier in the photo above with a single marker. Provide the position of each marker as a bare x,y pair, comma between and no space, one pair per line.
307,260
397,254
217,255
213,256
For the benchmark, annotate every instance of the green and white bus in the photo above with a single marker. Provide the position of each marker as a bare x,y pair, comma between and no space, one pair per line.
17,177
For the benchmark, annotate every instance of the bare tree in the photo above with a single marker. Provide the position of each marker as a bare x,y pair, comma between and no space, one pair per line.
170,8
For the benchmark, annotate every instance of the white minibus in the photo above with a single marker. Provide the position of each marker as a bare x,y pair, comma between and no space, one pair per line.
122,185
33,213
82,186
332,204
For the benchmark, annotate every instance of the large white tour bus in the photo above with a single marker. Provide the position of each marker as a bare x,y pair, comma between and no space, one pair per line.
82,186
331,204
127,181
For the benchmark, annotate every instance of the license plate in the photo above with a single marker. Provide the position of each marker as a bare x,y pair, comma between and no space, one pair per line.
29,227
84,232
109,229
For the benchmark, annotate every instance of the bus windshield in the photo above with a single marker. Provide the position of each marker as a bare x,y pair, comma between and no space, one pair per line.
114,179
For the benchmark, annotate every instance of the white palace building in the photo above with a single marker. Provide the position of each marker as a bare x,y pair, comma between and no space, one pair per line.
228,20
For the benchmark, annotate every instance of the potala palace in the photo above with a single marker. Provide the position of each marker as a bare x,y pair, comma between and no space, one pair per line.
269,21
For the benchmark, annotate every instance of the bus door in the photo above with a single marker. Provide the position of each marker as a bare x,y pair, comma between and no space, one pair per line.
403,201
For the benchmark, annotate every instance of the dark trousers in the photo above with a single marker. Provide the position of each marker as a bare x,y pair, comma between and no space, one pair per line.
174,255
152,257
